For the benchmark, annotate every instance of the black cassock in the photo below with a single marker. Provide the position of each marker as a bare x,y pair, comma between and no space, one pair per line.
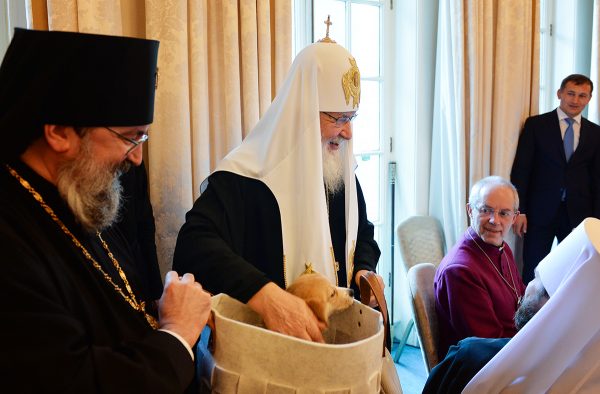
136,222
232,243
65,328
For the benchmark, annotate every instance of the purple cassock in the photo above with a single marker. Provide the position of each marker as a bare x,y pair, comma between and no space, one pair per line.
477,290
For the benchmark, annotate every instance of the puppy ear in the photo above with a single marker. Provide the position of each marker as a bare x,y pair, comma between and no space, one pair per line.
320,309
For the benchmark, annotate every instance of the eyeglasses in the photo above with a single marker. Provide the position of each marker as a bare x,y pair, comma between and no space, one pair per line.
489,212
342,120
140,138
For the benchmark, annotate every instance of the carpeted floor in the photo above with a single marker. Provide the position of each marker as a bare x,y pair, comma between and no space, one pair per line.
411,370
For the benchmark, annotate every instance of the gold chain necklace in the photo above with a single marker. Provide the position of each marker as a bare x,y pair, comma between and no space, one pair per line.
514,286
139,306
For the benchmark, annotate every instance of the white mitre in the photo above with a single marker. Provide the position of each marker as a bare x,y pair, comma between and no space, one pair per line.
558,350
284,150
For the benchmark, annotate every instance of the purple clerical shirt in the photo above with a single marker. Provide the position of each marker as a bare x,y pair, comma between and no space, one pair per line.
471,298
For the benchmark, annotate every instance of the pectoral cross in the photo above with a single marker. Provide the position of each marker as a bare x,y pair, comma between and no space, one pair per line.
308,268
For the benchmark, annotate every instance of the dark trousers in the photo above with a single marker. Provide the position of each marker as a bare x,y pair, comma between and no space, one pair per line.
538,240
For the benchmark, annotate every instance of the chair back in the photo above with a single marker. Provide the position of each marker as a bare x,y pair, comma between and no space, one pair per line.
420,240
420,281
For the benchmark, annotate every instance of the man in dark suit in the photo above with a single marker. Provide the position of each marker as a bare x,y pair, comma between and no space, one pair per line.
556,172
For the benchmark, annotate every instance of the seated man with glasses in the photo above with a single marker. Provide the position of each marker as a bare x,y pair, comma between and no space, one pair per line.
477,285
287,199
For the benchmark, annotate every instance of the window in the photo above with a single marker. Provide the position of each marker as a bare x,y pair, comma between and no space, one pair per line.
12,14
565,45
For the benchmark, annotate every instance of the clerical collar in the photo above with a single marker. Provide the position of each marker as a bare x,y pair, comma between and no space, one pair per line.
486,246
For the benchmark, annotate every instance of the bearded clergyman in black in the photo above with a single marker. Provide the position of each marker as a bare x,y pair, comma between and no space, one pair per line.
74,112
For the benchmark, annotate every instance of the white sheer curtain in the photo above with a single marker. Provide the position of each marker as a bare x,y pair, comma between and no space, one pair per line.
448,151
594,105
486,86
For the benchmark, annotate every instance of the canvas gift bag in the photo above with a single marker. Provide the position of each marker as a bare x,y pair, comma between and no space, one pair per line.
244,357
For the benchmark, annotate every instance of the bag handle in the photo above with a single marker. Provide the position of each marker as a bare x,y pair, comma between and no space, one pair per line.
369,284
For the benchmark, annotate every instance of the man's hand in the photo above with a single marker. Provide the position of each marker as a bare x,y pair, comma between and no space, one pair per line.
286,313
372,300
184,307
520,225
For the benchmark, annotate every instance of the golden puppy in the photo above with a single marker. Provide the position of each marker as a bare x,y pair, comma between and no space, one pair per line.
321,296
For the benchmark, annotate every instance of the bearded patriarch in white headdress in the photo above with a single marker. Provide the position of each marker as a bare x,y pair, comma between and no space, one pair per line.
287,198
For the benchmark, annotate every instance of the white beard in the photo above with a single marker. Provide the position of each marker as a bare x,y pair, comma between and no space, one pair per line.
333,167
91,188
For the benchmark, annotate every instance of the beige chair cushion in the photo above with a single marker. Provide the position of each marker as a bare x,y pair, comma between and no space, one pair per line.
420,279
420,240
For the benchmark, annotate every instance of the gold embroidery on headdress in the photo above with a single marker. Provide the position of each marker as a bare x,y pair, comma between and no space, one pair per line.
351,84
156,79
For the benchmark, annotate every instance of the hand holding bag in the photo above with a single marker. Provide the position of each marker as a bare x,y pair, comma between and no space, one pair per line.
390,382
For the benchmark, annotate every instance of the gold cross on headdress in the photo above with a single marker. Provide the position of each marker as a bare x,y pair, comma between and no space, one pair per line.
328,23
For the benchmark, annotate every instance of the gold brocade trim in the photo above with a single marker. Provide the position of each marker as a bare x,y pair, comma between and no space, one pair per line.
351,83
351,261
139,306
336,266
285,272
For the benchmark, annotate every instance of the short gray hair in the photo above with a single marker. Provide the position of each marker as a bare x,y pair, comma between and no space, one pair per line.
491,181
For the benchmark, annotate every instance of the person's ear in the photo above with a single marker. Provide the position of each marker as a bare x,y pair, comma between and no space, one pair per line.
469,209
60,138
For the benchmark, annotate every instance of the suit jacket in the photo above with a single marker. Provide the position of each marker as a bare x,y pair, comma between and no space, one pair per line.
540,171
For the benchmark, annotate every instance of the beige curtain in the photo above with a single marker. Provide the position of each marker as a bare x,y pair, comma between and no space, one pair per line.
487,83
220,64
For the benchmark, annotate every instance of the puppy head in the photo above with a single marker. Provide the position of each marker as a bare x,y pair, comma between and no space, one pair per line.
321,296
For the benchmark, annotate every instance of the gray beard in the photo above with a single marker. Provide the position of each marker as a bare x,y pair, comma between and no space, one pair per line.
529,307
333,168
91,188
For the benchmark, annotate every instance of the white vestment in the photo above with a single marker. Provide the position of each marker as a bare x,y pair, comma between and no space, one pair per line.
558,350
